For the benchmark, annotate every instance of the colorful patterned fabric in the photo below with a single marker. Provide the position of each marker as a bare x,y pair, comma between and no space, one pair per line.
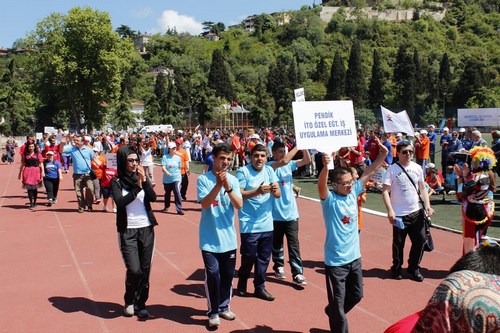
465,301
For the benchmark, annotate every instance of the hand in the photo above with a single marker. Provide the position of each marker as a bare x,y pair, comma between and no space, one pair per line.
262,189
392,217
274,187
140,173
430,211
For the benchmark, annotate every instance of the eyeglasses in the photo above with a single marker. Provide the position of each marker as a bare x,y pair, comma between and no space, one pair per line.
348,183
406,152
132,160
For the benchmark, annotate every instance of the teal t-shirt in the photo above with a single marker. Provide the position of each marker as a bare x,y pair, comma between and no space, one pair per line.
173,166
217,232
285,207
256,214
341,221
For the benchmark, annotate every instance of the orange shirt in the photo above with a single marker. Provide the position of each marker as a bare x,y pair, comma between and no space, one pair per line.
182,153
394,143
422,148
99,169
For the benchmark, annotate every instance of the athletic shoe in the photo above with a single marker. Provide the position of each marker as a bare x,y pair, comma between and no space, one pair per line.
114,210
214,320
300,280
81,209
128,310
279,273
227,314
416,275
452,192
104,208
142,314
165,210
180,212
49,203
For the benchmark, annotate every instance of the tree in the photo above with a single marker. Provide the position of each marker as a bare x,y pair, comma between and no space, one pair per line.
278,85
161,93
321,72
16,103
335,88
404,79
86,61
444,78
471,81
126,32
376,91
355,86
123,116
218,77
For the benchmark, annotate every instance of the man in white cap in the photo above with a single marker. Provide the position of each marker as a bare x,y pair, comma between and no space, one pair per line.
432,142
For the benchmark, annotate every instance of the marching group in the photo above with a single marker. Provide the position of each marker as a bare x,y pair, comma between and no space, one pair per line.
263,196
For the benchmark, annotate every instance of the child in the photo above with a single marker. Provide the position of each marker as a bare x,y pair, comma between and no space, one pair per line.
107,175
435,180
450,180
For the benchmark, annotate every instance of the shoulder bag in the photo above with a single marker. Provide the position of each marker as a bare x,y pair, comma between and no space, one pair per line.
92,173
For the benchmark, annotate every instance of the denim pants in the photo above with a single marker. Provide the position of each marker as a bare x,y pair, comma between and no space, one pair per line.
255,250
344,285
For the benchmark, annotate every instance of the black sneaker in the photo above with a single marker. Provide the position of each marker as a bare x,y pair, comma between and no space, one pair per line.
396,275
416,275
241,290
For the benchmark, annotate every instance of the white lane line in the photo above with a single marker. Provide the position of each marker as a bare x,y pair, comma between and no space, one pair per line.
81,275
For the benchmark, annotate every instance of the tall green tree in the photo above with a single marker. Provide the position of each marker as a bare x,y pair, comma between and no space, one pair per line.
161,93
321,72
278,85
355,86
16,102
86,59
335,88
471,81
404,79
444,79
376,91
126,32
122,115
218,77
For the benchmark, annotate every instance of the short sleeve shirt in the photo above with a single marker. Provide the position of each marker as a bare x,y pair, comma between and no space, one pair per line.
285,207
404,197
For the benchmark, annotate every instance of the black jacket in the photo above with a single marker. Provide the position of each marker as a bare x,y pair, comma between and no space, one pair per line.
122,202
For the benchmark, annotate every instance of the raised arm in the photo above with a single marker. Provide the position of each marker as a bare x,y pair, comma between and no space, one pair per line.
383,151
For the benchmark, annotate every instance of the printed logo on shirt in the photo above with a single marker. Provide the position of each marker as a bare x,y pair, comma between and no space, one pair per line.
346,219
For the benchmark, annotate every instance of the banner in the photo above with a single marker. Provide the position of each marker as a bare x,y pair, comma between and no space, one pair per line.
396,122
111,161
325,126
479,117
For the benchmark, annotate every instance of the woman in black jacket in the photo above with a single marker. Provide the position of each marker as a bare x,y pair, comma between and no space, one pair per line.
133,194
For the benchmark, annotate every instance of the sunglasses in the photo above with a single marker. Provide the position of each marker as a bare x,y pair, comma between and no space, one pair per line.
132,160
406,152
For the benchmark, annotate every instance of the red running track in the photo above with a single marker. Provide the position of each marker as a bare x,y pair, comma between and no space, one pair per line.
62,272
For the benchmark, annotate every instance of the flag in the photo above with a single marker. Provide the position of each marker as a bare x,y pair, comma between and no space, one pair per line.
396,122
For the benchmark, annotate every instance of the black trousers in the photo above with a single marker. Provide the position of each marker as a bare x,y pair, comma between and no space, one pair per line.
52,187
137,247
415,229
184,185
255,251
290,229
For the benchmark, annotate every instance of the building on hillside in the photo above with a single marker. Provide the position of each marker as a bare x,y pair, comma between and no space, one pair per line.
137,108
3,52
140,43
213,37
155,71
249,23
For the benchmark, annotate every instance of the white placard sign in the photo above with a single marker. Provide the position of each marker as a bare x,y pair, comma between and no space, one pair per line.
299,95
49,130
111,161
39,136
479,117
325,125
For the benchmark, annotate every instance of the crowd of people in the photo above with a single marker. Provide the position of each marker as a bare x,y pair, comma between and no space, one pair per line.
262,194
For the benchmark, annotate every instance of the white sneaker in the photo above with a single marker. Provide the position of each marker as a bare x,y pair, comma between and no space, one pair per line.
114,210
280,273
104,209
300,280
128,310
227,314
214,320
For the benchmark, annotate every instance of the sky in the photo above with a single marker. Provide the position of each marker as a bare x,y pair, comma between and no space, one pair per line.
19,17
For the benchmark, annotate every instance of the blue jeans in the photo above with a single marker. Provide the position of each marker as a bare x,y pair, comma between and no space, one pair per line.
255,250
344,285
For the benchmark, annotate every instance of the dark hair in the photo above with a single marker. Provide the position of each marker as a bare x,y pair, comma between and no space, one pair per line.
221,147
258,147
277,145
340,171
484,260
402,144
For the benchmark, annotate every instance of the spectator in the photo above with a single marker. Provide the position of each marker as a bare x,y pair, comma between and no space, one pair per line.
432,142
53,175
31,171
171,166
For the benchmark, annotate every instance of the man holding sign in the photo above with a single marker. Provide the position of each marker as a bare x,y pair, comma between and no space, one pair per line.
343,273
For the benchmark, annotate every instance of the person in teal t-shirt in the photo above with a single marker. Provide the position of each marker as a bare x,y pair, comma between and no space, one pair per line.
257,183
171,167
286,212
343,273
219,194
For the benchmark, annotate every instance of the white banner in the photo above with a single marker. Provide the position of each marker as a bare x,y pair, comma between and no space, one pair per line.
479,117
396,122
111,161
49,130
325,126
299,95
